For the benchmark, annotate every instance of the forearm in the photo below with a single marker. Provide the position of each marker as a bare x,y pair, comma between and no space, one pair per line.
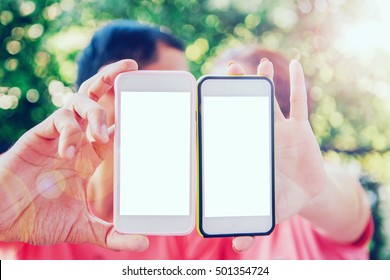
341,211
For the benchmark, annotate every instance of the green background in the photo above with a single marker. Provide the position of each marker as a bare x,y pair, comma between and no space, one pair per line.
341,45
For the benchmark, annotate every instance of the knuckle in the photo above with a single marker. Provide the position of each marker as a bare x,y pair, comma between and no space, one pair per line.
63,113
96,112
76,98
93,94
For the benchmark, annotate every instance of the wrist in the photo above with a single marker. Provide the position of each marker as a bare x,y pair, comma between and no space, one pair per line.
341,210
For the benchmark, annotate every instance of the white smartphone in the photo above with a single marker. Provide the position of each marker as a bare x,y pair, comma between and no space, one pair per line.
236,156
154,169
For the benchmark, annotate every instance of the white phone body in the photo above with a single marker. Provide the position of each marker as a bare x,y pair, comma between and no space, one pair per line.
236,156
154,165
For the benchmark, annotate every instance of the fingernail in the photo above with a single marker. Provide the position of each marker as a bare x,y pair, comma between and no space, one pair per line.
104,133
231,62
235,250
264,59
70,152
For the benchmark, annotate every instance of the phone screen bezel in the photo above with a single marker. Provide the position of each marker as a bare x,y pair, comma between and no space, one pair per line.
154,81
237,225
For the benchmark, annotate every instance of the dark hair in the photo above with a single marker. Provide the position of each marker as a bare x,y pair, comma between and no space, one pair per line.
119,40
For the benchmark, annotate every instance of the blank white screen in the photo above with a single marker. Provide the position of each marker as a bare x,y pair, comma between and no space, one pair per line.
155,153
236,153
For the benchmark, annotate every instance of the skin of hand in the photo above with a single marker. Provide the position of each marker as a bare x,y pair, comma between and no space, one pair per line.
43,177
305,184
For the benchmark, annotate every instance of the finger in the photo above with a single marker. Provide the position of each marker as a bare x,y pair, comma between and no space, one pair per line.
94,114
266,69
104,234
103,82
298,98
62,124
234,69
104,150
243,243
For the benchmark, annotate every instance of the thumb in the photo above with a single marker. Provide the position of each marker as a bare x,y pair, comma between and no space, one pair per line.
103,234
243,243
118,241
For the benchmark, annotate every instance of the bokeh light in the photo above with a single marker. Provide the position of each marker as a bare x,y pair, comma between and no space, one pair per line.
342,45
367,33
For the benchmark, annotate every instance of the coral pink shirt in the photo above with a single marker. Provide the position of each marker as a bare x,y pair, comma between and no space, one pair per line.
292,239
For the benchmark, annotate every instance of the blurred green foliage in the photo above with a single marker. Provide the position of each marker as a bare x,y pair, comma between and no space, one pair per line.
40,41
378,244
347,68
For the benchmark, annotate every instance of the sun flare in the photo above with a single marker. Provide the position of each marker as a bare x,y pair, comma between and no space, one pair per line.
368,33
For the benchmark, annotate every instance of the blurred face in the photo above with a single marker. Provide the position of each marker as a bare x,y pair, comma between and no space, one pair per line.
221,67
168,58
